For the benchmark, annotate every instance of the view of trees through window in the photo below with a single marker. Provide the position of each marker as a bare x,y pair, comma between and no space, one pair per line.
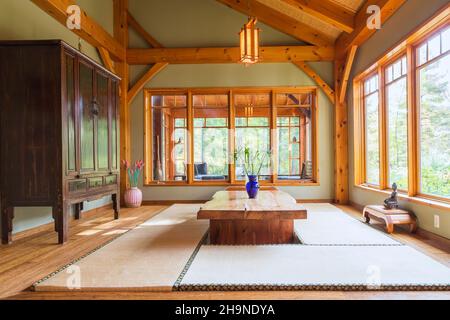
372,133
397,116
408,134
263,121
434,90
210,137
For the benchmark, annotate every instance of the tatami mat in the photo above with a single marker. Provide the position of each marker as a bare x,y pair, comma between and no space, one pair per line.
328,225
296,267
149,257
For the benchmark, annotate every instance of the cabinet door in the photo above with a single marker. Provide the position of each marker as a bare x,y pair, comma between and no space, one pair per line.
87,123
102,131
69,97
114,126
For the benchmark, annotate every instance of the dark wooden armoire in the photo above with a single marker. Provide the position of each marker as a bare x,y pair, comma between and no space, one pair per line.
59,131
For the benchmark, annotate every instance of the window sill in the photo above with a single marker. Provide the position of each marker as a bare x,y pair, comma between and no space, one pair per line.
419,200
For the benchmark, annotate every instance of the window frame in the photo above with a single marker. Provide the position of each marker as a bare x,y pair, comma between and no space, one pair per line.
409,48
231,92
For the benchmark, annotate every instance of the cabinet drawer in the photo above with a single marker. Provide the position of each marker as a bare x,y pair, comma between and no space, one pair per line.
95,182
77,185
110,180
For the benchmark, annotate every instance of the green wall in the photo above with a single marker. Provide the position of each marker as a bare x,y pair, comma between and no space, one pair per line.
23,20
209,23
407,19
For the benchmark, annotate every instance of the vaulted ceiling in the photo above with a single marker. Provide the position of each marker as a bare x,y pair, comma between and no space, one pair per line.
316,22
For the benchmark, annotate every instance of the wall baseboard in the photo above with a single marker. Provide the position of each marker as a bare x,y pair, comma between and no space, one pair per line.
47,226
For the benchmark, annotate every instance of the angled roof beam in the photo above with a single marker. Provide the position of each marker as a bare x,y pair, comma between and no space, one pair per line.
329,92
346,73
106,58
227,55
132,22
280,21
90,30
362,33
326,11
139,85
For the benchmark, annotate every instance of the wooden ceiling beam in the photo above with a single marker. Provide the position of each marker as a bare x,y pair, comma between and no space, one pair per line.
326,11
106,59
90,30
362,33
132,22
280,21
139,85
346,73
227,55
120,26
329,92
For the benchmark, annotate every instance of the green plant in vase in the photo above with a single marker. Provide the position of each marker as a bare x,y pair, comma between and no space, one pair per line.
252,162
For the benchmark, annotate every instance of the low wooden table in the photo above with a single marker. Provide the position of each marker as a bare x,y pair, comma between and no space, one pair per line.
391,217
237,220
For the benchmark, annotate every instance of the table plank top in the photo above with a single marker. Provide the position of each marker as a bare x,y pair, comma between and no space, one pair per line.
230,205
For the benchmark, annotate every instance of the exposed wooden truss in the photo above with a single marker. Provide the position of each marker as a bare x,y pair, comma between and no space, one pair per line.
346,73
341,191
132,22
154,69
280,21
227,55
120,8
362,33
139,85
90,30
326,11
106,59
355,34
329,92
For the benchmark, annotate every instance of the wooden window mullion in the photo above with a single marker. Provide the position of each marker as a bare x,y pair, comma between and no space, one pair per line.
190,142
413,135
273,138
231,137
382,127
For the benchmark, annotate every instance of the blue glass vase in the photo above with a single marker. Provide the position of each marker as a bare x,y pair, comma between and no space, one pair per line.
252,186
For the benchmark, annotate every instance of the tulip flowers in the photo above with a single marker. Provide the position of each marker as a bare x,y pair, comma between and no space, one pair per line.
133,171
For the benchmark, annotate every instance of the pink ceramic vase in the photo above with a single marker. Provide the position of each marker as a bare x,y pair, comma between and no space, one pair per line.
133,198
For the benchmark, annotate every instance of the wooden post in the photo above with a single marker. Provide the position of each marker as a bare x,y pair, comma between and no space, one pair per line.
121,35
340,139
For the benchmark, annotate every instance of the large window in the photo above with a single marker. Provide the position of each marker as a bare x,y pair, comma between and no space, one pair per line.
397,127
210,137
433,73
214,123
252,123
169,138
294,125
402,116
372,135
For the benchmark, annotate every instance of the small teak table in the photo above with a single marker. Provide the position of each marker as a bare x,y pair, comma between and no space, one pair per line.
390,217
234,219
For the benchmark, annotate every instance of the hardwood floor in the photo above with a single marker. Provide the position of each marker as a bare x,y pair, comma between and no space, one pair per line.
35,254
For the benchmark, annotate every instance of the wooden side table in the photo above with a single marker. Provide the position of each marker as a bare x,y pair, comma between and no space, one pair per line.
391,217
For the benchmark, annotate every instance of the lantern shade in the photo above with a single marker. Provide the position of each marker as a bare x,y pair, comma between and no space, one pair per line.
249,42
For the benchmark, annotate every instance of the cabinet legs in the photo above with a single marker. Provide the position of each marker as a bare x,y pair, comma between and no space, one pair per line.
7,225
116,205
61,216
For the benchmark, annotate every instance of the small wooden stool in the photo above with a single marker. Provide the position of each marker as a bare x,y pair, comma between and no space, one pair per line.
391,217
